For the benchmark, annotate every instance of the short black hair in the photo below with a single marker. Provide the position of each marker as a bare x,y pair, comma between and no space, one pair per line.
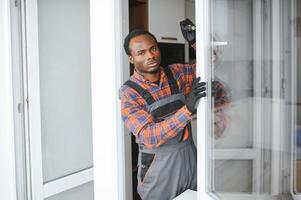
132,34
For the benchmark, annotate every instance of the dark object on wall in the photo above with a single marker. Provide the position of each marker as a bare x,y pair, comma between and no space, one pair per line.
188,30
192,55
171,53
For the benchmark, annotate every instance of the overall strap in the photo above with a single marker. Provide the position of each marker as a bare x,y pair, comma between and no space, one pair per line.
143,92
171,81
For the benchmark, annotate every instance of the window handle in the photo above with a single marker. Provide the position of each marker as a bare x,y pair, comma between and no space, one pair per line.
221,43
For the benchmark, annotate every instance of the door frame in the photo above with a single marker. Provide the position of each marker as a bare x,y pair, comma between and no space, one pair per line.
112,160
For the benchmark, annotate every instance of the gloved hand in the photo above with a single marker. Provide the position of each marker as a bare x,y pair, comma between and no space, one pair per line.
188,31
220,94
197,91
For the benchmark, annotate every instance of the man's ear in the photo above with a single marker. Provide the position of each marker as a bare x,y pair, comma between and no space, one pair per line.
131,59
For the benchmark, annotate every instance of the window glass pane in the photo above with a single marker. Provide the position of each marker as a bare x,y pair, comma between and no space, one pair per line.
253,87
233,125
230,181
233,72
83,192
65,86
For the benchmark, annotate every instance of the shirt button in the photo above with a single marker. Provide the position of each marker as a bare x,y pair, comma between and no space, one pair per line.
142,166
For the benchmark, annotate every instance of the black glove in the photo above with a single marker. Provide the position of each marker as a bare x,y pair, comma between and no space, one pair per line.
188,31
220,94
215,88
197,91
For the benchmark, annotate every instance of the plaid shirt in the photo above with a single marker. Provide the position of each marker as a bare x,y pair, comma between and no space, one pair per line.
133,107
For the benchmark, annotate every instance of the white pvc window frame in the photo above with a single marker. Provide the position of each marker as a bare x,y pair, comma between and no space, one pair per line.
203,47
293,170
18,41
109,70
7,153
252,154
37,189
203,124
104,99
108,156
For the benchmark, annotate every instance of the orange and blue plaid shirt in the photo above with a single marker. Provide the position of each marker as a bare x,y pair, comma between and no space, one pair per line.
141,123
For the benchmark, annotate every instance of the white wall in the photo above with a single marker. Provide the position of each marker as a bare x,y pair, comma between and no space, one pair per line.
190,9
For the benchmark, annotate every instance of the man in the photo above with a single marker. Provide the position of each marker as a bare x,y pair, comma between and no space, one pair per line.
157,103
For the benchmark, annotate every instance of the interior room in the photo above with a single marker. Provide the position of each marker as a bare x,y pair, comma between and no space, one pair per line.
163,20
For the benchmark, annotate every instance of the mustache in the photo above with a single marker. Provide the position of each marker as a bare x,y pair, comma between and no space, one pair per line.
152,61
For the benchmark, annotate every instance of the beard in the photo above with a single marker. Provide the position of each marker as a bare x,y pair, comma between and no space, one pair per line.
150,71
154,70
151,68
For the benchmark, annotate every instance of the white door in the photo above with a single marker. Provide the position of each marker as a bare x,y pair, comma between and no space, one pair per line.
57,94
245,145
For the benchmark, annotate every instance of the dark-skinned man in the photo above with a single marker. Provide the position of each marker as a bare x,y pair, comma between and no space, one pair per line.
157,103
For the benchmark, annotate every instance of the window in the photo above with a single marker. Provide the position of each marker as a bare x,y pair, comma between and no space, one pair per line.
253,50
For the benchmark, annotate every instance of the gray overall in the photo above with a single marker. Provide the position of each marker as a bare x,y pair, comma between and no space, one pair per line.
166,171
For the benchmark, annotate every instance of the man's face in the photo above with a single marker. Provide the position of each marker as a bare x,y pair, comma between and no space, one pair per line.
145,54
